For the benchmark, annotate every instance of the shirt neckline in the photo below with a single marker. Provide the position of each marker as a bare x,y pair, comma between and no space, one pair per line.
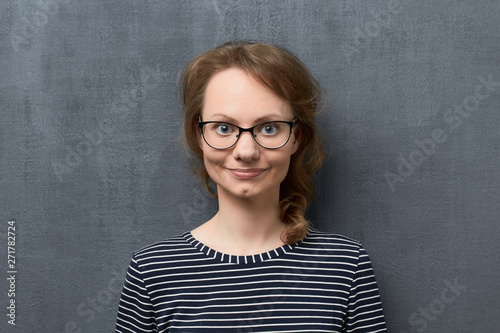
239,259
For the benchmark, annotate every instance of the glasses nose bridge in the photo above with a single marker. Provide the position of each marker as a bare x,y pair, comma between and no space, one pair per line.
241,130
249,130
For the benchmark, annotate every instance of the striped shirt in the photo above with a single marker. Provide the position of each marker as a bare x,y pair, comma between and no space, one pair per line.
324,283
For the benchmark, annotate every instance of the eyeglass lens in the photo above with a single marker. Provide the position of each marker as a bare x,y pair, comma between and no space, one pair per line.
268,135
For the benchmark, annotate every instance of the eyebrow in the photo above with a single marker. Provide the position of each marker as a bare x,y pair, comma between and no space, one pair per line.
268,117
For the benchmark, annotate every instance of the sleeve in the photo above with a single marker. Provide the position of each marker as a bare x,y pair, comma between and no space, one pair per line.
364,310
135,311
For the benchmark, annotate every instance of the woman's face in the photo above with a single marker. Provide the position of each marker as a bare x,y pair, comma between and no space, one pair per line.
245,170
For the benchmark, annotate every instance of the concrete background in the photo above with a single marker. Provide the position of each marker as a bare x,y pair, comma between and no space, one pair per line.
92,167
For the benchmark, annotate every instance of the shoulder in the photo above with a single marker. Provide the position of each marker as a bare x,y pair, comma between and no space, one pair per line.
167,249
336,248
323,239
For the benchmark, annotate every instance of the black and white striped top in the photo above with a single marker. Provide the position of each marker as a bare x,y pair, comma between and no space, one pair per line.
324,283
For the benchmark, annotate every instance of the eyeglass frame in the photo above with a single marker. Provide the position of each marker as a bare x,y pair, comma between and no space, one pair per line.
249,129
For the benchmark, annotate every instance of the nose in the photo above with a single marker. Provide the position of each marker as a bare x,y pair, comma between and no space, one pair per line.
246,148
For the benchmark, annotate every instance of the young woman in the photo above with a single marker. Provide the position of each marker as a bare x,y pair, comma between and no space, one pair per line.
257,265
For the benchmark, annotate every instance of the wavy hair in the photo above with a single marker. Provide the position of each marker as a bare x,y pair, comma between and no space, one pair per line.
285,75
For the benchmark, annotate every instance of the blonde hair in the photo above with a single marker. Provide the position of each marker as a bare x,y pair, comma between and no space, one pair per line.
283,73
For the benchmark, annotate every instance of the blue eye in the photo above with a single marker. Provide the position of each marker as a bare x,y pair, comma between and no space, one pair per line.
269,129
223,129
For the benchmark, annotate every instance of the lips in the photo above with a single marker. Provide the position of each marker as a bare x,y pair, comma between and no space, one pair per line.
246,173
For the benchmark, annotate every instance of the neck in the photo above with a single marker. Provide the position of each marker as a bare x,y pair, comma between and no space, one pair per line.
249,225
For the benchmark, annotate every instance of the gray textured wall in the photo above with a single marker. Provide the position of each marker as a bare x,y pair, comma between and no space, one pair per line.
91,166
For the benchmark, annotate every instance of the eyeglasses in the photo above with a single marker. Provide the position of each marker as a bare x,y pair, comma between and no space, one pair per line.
270,135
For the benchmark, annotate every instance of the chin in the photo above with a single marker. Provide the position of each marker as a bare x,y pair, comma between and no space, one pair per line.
250,192
244,193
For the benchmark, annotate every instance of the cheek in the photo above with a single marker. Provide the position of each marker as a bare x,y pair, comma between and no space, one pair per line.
281,167
286,167
212,163
209,161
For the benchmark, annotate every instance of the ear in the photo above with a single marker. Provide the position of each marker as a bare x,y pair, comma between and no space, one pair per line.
296,136
198,133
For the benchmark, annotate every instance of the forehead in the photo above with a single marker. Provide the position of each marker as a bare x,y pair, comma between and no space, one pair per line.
236,94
